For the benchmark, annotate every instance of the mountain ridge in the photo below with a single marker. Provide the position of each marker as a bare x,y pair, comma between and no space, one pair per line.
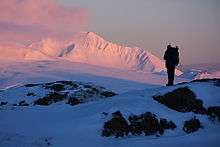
89,48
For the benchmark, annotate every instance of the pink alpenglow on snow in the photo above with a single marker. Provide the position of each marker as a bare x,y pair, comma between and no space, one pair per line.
28,18
89,48
208,75
92,49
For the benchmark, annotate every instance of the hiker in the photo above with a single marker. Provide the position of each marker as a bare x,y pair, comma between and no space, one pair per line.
171,57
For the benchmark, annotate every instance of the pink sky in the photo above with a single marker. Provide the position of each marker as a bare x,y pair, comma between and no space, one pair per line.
34,19
193,25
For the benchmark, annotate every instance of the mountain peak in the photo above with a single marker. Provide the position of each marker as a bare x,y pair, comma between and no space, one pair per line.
92,34
90,48
88,35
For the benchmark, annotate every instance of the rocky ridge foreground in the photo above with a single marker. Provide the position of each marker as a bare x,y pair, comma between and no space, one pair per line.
69,92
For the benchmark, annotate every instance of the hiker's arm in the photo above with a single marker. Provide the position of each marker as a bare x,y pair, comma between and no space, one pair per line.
165,56
177,59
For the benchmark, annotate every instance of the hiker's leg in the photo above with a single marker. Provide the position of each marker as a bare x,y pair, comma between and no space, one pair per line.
171,73
168,76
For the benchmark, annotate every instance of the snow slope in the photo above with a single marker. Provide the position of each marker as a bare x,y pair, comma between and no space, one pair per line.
50,47
20,72
81,125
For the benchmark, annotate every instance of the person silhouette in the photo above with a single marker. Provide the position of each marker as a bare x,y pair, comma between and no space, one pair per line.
171,57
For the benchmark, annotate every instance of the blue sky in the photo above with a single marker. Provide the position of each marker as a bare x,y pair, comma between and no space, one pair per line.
194,25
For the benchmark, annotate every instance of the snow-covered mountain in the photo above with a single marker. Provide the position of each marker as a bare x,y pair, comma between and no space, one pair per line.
18,51
210,67
92,49
88,47
208,75
50,47
201,71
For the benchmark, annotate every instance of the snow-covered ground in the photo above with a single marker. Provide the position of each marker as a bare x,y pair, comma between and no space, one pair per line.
81,125
120,80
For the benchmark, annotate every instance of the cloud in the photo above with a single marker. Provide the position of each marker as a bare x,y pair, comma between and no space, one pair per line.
40,18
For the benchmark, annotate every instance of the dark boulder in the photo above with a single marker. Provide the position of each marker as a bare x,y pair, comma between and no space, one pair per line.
146,123
52,97
108,93
55,87
23,103
117,126
136,124
182,100
61,85
191,125
214,112
31,94
31,85
3,103
167,124
73,101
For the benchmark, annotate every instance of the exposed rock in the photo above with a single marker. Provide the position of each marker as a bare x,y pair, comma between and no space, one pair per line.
218,83
117,126
92,91
31,94
108,94
214,112
207,80
191,125
182,100
3,103
70,92
136,124
23,103
167,124
52,97
73,101
146,123
31,85
149,124
60,85
215,81
55,87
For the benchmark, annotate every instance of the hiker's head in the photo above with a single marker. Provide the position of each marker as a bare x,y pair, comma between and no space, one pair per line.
169,46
